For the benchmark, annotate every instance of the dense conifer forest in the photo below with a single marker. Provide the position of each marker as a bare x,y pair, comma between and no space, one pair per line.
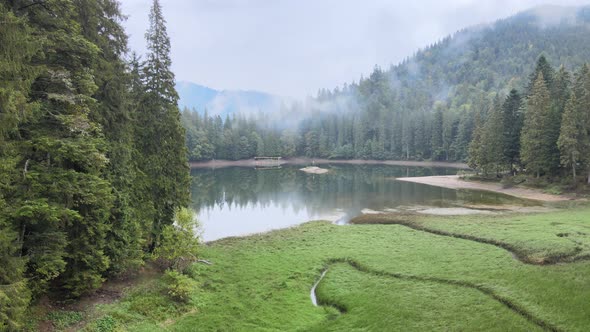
449,101
92,157
94,179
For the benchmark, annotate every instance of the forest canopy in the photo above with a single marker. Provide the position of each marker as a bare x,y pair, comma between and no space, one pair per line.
92,158
426,107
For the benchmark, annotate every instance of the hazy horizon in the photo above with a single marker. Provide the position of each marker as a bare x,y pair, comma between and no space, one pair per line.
227,45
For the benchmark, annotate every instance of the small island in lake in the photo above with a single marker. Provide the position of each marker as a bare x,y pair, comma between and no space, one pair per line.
314,170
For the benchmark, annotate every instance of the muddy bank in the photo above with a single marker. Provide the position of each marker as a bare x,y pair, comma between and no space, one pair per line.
307,161
455,182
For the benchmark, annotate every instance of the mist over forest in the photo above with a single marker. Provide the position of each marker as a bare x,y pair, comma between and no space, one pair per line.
467,164
426,107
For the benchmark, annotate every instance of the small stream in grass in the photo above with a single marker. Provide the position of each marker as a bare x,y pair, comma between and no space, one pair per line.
236,201
312,293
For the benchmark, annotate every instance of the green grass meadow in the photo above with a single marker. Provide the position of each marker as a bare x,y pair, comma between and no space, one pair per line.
381,277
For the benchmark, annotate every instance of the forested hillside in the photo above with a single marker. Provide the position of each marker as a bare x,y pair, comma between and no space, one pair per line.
92,161
426,107
544,132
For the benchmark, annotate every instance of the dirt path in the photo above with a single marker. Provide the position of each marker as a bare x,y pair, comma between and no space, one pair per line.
454,182
111,291
307,161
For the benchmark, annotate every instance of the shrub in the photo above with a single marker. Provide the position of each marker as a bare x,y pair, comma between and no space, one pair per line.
104,324
178,286
179,244
63,319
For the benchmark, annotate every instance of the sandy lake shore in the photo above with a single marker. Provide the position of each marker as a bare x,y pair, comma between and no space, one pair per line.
308,161
455,182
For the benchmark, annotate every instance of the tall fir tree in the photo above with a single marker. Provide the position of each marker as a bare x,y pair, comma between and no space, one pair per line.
492,142
475,159
437,132
160,137
16,76
62,199
101,23
581,89
542,67
512,127
573,141
464,134
559,97
536,150
449,131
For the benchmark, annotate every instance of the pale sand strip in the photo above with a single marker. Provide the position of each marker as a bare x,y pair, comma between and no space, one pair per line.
455,182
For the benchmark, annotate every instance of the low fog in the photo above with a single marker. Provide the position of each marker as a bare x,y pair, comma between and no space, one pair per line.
294,48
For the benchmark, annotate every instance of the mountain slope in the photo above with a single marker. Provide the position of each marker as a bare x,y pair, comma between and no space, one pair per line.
198,97
499,56
428,106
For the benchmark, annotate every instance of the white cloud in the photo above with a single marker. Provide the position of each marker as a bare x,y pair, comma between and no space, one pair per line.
293,48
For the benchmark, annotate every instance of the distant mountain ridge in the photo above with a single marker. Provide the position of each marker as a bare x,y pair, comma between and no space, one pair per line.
428,106
200,98
460,69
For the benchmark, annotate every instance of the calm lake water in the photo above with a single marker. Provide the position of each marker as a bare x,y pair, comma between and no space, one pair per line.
236,201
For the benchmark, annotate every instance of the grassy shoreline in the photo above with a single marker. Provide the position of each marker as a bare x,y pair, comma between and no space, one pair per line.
381,277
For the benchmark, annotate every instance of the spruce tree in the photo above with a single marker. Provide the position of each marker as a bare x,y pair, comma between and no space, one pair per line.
160,136
492,142
101,23
573,141
18,47
581,90
542,66
62,201
559,98
437,132
536,149
512,127
464,134
449,128
407,138
475,159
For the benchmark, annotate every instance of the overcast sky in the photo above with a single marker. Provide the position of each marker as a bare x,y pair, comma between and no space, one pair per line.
293,48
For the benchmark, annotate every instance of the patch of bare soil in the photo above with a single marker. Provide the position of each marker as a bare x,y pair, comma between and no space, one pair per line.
110,292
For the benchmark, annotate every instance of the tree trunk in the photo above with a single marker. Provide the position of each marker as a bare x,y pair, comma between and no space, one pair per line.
21,240
26,169
574,171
